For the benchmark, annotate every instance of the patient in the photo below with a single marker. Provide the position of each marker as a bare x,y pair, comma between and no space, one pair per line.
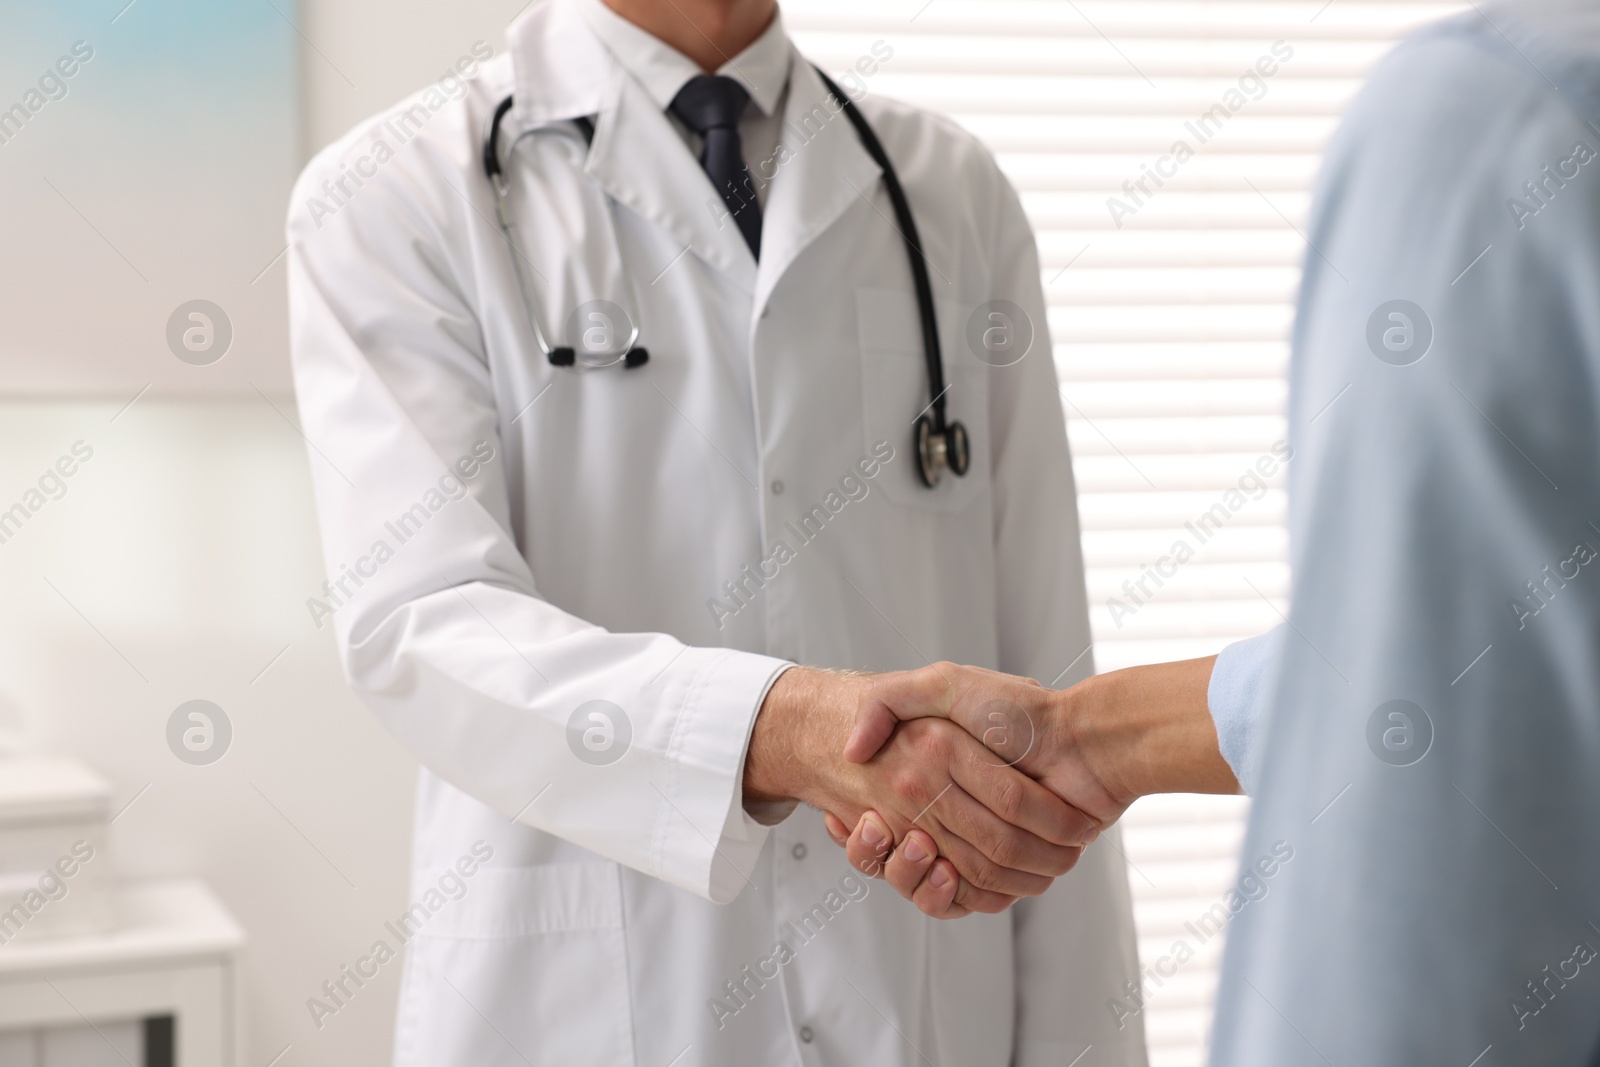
1425,730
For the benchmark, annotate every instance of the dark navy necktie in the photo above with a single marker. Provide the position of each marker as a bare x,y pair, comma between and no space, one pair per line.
710,105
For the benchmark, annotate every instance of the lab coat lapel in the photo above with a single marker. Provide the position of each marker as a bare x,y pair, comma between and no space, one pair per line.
821,169
641,160
561,69
638,157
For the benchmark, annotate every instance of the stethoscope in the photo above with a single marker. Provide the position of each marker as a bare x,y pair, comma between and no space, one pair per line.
939,443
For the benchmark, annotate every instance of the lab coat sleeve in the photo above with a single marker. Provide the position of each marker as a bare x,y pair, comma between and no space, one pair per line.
1074,946
1236,696
437,617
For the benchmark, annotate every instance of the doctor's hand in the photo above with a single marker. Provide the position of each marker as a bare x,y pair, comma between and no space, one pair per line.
931,787
1099,745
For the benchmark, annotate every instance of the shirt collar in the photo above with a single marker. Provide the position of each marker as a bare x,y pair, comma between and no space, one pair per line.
762,68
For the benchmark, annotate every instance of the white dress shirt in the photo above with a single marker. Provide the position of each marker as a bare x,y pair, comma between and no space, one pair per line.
762,68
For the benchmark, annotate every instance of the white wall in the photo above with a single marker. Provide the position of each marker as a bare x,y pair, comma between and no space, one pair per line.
364,55
175,567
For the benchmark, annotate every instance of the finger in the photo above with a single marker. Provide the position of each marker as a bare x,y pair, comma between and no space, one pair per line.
931,882
892,698
869,845
969,898
936,894
918,874
966,834
1002,843
836,828
910,863
1019,800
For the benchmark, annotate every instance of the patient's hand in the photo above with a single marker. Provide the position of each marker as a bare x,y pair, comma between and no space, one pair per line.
1054,736
1099,746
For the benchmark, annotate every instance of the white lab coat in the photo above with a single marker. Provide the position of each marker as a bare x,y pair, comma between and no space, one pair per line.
623,899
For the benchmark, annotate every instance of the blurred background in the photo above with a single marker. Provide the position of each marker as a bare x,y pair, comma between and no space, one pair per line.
143,335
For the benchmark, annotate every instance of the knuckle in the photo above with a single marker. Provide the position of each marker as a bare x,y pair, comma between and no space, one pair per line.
905,889
909,782
862,859
905,883
929,740
1036,890
986,875
1008,799
987,903
1006,851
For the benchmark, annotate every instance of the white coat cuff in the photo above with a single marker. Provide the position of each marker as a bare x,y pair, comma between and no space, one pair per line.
711,842
1237,695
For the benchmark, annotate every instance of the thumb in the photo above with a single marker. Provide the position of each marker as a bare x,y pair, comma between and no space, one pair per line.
875,721
891,699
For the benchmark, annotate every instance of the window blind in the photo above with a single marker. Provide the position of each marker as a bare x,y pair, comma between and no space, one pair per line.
1164,151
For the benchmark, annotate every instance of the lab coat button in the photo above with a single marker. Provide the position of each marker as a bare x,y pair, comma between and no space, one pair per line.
799,851
807,1035
777,487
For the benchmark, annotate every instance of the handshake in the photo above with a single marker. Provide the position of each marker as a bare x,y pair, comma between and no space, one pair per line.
966,788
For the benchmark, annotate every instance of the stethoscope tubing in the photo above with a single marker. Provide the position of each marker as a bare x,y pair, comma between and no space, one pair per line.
629,354
932,354
938,443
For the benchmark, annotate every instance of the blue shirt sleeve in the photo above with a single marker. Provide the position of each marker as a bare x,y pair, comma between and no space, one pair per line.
1237,698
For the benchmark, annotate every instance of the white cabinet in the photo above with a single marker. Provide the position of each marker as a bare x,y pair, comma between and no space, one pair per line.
55,869
105,998
105,1044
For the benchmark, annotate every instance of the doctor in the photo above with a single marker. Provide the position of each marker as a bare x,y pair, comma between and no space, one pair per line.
1425,731
612,421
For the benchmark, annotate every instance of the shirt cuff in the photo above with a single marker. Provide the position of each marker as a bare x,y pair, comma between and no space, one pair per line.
1237,699
714,845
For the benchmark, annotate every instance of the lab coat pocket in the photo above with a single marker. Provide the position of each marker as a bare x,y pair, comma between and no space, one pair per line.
894,392
529,967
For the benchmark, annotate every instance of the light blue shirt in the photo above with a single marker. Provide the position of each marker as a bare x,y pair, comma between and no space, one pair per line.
1237,698
1423,739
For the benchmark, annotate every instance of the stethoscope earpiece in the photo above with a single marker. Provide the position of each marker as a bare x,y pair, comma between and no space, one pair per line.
565,356
629,355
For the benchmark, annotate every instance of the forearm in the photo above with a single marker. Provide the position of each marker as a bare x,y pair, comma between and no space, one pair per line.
794,730
1149,730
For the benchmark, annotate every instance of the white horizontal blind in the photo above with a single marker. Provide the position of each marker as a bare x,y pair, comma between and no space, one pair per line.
1170,329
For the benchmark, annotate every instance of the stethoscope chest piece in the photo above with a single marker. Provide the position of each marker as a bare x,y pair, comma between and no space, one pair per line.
937,449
